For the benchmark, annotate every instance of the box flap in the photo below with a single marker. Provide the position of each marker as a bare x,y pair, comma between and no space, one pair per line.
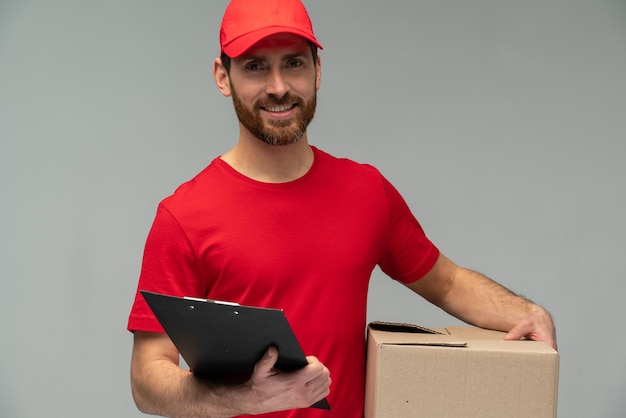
396,337
402,327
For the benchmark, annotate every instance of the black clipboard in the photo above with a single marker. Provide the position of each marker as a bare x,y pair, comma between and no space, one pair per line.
223,341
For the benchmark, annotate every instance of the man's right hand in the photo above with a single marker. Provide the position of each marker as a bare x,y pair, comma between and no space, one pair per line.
270,389
161,387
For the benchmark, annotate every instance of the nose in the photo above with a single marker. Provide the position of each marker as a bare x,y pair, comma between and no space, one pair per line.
276,84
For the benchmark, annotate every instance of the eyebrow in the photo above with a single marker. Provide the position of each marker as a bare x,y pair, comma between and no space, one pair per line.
283,58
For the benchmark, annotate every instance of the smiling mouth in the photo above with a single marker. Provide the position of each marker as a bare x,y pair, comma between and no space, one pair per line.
278,109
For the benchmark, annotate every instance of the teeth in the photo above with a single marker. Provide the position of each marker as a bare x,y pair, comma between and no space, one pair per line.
278,109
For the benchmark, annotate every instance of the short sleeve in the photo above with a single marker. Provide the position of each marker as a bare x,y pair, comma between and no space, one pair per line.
408,254
169,267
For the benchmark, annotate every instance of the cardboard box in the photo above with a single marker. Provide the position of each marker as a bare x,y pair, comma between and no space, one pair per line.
464,372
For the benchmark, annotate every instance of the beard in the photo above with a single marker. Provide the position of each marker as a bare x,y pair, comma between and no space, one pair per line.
276,132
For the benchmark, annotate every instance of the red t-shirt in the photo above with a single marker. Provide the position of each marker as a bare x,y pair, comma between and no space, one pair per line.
307,246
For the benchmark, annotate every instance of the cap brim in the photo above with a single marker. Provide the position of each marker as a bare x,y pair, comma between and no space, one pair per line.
240,45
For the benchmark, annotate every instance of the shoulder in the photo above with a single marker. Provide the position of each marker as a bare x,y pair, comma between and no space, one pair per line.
347,166
197,189
351,175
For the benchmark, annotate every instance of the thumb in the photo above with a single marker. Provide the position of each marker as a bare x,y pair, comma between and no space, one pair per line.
268,360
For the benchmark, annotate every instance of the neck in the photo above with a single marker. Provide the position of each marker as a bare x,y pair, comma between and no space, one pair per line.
270,163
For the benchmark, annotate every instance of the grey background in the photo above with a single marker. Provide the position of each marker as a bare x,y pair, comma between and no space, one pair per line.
501,121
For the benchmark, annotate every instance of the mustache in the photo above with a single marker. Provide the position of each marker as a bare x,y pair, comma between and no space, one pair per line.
272,101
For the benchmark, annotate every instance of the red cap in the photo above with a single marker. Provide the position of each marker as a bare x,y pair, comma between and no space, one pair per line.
246,22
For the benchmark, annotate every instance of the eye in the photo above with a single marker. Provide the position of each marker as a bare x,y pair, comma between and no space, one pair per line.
253,66
296,63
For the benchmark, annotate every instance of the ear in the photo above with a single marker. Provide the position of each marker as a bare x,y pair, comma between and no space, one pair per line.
222,80
318,73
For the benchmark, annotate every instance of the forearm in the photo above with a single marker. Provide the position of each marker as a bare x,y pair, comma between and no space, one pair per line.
162,388
478,300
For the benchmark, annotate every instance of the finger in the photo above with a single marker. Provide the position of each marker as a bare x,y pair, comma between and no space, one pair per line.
525,329
312,360
318,393
315,369
518,332
319,386
321,382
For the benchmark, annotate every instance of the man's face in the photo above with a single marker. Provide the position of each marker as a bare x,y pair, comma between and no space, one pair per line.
274,88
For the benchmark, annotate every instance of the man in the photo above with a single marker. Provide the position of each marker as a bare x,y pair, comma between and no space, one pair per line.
276,222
